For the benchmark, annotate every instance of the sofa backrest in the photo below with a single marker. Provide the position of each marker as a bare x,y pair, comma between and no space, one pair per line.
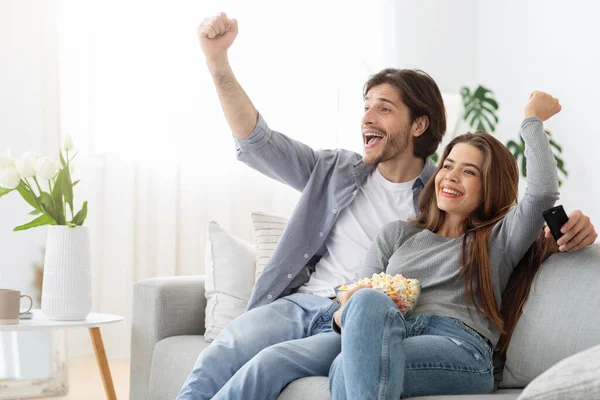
561,316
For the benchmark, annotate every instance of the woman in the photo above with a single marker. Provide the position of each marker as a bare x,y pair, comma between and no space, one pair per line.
463,247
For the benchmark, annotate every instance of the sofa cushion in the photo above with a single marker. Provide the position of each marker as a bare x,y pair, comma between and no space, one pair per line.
317,388
502,394
229,266
576,377
267,230
172,361
174,358
560,317
314,388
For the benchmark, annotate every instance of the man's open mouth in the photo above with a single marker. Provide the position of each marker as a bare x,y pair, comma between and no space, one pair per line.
373,138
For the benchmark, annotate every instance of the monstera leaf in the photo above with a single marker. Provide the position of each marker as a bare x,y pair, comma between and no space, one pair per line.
480,108
518,150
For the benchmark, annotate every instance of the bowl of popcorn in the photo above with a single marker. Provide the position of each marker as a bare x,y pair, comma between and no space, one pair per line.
408,290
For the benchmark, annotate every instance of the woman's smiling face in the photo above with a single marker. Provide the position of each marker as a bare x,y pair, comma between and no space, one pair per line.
459,183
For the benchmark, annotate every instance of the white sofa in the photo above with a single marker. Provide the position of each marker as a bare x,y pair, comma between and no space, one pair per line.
168,327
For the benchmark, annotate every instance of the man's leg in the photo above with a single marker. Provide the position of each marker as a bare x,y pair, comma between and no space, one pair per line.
264,376
238,342
246,336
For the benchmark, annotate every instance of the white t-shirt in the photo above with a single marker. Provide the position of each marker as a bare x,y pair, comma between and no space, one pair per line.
377,203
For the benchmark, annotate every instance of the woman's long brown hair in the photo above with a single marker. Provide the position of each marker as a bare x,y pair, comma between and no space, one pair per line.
500,180
519,285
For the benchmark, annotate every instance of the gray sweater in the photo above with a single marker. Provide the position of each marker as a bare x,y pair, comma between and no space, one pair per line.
402,248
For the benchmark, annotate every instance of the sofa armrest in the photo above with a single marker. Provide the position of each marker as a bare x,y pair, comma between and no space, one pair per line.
162,307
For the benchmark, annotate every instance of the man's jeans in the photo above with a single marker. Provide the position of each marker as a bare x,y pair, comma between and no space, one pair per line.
385,356
264,349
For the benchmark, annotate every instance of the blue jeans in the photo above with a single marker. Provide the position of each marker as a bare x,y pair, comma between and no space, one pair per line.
264,349
385,356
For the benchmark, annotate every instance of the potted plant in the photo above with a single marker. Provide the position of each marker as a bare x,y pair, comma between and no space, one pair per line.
47,186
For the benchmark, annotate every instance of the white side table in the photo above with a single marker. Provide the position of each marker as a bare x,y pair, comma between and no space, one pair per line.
94,320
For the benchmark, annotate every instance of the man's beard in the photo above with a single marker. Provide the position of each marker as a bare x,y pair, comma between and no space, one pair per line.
395,145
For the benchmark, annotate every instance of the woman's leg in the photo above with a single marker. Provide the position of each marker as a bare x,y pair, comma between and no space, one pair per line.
372,332
380,361
446,357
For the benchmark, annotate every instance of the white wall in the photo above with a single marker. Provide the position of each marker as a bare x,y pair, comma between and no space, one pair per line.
550,46
28,118
436,36
28,121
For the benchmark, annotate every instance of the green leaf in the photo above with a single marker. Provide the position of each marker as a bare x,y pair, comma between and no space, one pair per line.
472,121
515,149
435,158
39,221
480,108
27,195
556,146
62,160
48,205
490,112
491,125
81,215
67,188
4,192
71,225
35,212
74,183
57,199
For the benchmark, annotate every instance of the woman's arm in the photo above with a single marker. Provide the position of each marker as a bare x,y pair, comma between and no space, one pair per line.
521,226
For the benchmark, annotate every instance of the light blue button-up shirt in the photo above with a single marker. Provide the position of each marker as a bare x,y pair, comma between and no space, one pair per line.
329,181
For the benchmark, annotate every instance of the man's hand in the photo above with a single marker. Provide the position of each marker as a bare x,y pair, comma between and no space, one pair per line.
216,34
578,232
542,105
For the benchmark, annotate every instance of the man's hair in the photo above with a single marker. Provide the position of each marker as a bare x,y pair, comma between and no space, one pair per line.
421,95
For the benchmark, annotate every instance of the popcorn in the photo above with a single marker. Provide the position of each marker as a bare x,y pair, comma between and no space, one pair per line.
406,289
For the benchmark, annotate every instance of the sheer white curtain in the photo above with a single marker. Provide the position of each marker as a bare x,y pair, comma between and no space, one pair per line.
157,161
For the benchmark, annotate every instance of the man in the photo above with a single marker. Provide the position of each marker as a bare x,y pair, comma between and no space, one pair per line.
287,333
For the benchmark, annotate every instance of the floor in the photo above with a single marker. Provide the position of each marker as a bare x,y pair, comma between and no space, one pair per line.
85,382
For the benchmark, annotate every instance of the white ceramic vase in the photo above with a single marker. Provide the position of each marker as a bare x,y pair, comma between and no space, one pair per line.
67,286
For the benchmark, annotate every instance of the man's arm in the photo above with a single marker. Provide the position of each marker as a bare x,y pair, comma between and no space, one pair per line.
259,147
216,34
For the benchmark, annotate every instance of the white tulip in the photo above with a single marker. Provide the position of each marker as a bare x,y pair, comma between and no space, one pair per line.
46,168
33,154
10,178
6,161
26,164
68,146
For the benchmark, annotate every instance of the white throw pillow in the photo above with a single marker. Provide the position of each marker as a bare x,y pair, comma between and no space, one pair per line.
229,268
574,378
267,230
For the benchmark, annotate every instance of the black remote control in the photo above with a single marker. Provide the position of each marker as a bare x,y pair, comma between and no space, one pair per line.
556,217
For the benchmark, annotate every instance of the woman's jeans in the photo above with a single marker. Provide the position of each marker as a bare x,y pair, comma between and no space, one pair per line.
385,356
262,350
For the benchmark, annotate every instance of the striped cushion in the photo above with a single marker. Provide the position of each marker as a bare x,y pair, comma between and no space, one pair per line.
267,230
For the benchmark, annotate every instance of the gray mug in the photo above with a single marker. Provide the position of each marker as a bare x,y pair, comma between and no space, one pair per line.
10,306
